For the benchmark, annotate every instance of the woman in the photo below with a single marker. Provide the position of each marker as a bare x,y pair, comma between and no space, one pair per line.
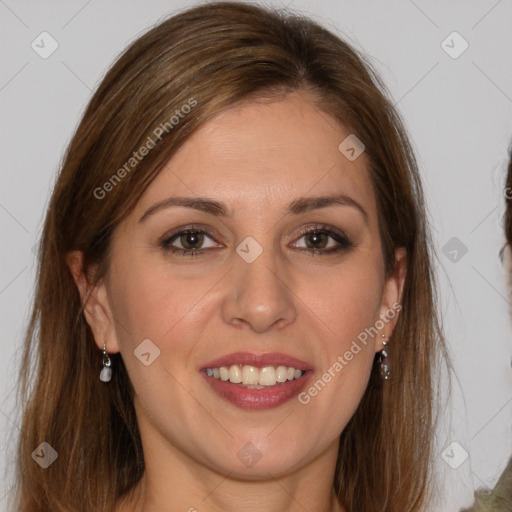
235,300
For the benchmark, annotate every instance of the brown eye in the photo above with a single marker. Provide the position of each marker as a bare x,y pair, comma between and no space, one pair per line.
316,240
191,239
324,240
188,242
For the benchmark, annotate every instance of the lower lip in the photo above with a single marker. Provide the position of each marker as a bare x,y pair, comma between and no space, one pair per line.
265,398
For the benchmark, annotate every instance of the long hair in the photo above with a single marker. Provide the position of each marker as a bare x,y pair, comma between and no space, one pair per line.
507,224
209,58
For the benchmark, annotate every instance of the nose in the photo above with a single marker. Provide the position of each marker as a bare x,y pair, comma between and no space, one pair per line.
258,295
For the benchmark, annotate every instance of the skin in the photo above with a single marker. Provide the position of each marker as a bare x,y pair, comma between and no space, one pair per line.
256,158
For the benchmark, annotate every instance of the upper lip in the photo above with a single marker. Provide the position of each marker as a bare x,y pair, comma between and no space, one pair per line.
255,359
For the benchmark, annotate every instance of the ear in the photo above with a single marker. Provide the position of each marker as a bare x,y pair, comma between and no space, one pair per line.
97,309
392,297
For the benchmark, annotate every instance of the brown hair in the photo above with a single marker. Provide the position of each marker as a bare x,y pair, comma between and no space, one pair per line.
216,55
508,201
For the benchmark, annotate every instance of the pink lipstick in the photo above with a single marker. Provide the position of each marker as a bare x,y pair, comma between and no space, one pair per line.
257,381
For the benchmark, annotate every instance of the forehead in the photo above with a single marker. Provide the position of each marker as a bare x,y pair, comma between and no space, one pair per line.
264,154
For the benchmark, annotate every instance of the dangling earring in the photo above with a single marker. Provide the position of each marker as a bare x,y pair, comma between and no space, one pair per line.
106,371
384,365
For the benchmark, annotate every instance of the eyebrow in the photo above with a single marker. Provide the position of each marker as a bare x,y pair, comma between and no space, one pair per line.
296,207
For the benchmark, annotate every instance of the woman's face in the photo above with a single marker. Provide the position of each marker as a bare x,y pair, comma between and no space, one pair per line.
255,296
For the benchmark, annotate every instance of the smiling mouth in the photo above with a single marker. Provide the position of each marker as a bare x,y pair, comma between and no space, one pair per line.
254,377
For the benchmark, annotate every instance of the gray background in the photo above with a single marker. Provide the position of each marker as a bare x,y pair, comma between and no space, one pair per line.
459,115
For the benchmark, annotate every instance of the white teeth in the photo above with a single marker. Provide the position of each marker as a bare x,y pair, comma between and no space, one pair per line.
282,374
250,375
235,374
224,373
254,377
268,376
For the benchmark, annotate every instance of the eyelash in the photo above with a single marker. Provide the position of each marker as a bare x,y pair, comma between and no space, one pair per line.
344,243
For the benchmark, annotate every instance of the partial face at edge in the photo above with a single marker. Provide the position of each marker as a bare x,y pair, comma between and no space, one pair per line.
256,159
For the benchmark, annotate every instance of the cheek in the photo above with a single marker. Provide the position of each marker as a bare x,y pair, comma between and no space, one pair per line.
162,310
170,310
151,303
347,303
347,308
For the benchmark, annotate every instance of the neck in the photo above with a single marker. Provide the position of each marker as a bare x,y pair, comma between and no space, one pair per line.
177,480
228,496
173,482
